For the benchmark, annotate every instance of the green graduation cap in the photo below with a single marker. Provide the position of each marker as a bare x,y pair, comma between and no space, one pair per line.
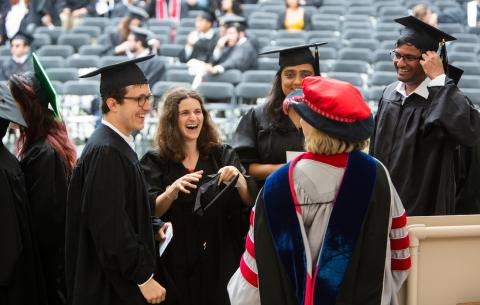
48,95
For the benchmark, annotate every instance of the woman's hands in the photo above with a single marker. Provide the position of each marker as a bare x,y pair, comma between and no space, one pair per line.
183,183
227,173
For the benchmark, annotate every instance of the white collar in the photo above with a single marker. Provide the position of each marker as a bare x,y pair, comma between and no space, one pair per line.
128,139
21,59
241,41
207,35
420,90
145,52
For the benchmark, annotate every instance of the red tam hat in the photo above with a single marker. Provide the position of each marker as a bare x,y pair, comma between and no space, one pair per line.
334,107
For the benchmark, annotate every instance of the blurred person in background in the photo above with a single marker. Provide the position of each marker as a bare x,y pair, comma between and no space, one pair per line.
13,18
21,59
294,18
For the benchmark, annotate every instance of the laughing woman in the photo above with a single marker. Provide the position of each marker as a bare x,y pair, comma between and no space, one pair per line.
206,249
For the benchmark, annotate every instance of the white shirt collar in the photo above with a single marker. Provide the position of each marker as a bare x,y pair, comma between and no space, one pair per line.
420,90
128,139
207,35
21,59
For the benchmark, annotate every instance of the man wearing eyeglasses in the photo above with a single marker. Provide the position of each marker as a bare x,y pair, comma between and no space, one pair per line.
421,121
110,251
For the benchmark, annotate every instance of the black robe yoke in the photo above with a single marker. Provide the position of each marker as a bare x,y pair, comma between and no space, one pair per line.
10,67
21,280
47,182
258,139
417,140
205,250
109,237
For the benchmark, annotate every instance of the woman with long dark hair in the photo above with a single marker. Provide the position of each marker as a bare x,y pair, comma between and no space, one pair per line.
206,248
266,133
47,158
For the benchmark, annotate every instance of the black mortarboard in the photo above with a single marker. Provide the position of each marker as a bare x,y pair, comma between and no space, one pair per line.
8,109
141,33
137,12
44,88
210,192
234,20
27,38
120,75
298,55
428,38
207,14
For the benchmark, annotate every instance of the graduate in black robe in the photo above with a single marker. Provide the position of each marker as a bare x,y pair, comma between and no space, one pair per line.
20,266
265,133
21,59
202,41
206,247
110,251
416,136
47,157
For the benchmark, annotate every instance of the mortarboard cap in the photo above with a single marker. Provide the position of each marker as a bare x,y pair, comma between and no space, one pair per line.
44,88
298,55
210,192
137,12
428,38
141,33
234,20
208,15
27,38
8,108
120,75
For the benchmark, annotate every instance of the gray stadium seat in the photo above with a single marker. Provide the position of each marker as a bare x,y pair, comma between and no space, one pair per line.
52,61
357,34
5,50
91,50
90,30
174,75
54,32
382,78
371,44
83,61
386,36
473,94
217,91
327,53
265,63
159,88
155,22
247,90
40,39
58,86
265,24
464,47
381,55
232,76
322,25
469,81
171,50
289,42
469,68
75,40
356,66
355,54
375,93
353,78
256,76
452,27
56,50
461,37
95,21
111,59
62,74
289,34
81,87
386,66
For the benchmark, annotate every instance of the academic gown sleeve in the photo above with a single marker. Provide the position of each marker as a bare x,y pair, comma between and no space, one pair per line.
245,139
153,170
10,236
118,246
451,115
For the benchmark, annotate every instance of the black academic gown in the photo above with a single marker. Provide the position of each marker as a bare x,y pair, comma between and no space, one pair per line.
21,280
205,250
202,49
109,235
258,139
11,67
241,57
46,183
417,141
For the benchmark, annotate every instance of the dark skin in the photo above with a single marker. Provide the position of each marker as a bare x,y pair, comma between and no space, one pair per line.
413,72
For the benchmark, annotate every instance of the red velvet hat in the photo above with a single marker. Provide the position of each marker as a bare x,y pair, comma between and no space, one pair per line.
334,107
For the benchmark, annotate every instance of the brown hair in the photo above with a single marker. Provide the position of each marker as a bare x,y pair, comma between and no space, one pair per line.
319,142
168,138
42,125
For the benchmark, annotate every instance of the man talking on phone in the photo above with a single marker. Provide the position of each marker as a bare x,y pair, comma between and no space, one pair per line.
421,121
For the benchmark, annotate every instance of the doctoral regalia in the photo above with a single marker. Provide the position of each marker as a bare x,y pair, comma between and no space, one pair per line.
21,269
259,139
417,141
206,249
109,238
351,264
46,182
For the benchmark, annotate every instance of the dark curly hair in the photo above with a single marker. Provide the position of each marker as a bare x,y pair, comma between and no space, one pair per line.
168,139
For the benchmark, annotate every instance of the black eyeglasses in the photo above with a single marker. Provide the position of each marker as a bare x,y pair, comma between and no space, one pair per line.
407,58
141,100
